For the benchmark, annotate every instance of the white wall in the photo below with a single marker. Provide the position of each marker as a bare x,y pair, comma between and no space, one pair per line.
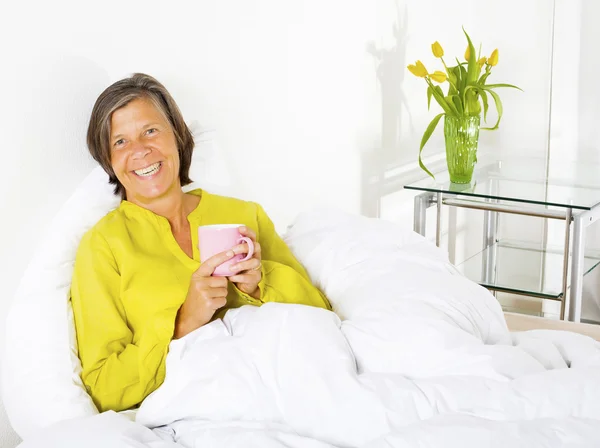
291,87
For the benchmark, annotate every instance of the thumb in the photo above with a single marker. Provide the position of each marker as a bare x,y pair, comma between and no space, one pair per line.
207,268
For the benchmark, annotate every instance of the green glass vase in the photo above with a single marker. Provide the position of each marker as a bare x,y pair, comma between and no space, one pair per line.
461,135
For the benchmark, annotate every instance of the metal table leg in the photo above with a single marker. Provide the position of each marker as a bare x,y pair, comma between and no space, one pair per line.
490,237
565,280
421,203
438,221
490,231
575,297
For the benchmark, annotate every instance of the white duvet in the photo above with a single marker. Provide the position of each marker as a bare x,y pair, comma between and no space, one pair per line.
415,356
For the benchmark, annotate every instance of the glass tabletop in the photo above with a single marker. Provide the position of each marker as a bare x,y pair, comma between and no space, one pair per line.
526,180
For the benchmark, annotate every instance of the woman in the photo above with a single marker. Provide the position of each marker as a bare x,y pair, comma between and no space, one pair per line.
138,282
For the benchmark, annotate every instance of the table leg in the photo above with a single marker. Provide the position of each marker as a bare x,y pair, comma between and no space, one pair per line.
490,237
576,294
421,202
490,220
438,223
568,219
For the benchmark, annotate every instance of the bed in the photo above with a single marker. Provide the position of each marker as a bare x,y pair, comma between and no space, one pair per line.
523,322
414,354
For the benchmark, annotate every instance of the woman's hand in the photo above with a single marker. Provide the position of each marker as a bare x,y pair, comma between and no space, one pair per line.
247,274
205,296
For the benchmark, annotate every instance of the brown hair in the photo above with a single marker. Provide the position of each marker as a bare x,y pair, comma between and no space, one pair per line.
120,94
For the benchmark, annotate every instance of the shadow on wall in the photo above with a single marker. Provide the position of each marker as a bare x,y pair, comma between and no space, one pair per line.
390,70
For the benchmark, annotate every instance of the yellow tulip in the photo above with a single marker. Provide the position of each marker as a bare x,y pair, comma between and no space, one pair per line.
418,69
437,49
493,60
482,61
467,53
438,76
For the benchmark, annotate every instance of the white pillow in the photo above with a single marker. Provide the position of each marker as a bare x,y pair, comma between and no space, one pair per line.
366,265
333,245
41,378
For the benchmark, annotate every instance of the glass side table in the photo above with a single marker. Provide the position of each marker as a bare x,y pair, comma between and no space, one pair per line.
571,194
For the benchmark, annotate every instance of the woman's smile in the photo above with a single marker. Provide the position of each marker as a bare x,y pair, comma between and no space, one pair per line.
150,171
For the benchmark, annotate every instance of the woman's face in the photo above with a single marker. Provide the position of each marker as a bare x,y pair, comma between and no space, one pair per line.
144,152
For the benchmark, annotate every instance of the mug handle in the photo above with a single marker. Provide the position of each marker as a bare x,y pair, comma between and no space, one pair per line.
250,244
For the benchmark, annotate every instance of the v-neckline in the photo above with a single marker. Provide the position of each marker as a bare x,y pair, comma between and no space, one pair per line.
193,217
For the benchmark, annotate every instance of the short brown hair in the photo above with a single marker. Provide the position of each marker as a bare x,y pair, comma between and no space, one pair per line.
119,95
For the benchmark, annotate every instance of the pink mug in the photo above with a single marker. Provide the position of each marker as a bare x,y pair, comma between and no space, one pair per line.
218,238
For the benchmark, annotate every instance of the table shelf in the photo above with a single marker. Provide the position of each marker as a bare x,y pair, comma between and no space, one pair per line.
522,268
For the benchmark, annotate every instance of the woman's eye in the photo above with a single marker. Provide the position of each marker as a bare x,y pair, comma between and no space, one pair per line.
119,142
151,131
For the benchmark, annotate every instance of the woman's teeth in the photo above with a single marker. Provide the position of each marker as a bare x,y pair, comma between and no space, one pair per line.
149,170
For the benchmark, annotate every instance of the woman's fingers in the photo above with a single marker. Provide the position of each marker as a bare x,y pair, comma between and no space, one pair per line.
207,268
243,249
248,265
216,282
218,302
247,231
247,279
213,293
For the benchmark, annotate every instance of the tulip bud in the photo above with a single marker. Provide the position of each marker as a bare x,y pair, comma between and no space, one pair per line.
493,59
418,69
437,49
482,61
468,53
438,76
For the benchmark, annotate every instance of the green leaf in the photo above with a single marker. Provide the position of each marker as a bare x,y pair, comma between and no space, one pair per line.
493,86
463,80
457,103
484,99
429,93
473,66
425,138
452,107
459,66
483,78
438,94
452,80
439,91
456,73
472,105
498,107
456,70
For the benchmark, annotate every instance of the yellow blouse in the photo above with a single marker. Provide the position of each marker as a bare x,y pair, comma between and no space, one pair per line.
131,277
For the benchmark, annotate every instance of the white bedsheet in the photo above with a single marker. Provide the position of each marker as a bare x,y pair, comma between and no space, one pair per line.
292,366
285,376
422,358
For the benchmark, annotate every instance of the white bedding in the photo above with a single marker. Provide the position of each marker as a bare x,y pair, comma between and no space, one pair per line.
421,358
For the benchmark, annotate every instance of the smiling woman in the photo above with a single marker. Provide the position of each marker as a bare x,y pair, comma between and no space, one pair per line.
126,121
138,282
144,155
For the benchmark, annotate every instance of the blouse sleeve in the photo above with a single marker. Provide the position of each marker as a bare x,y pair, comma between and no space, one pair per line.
117,372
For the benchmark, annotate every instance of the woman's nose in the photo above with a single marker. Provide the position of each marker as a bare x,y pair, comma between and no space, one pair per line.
140,151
